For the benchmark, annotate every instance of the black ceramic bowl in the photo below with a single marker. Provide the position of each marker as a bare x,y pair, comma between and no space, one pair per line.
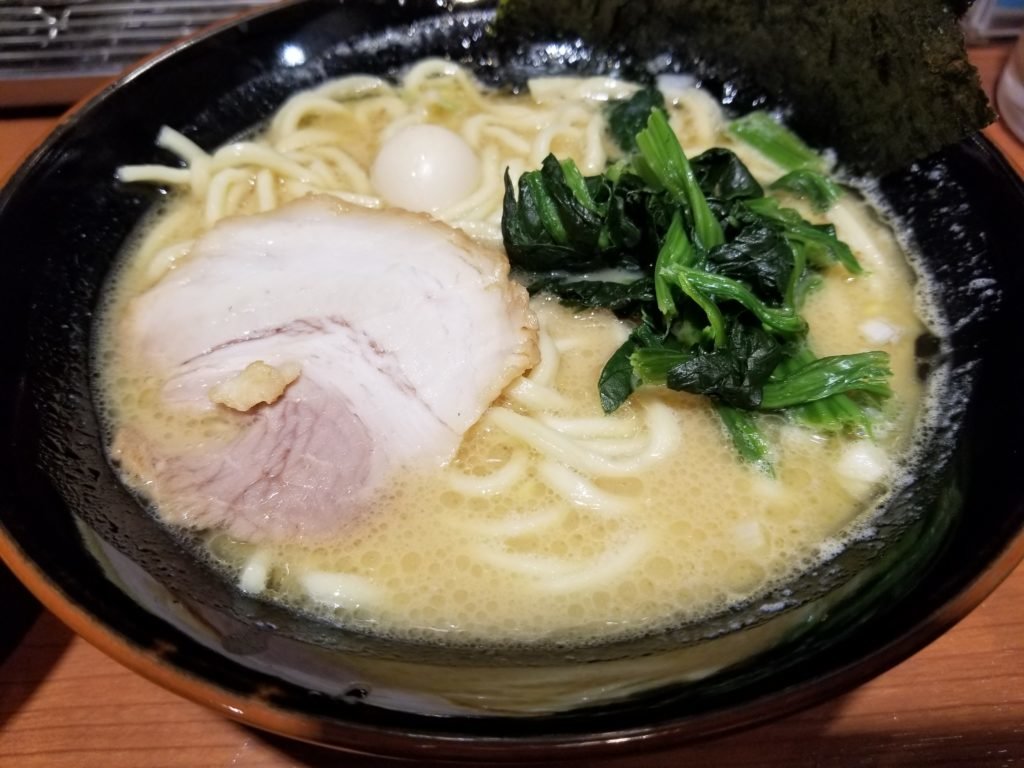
96,558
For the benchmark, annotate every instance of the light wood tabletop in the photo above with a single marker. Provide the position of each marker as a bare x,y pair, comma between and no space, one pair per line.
958,702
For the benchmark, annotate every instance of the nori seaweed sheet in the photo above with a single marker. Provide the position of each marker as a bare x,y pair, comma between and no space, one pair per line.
883,82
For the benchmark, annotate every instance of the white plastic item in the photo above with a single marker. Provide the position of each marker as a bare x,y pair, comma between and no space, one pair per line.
991,19
1010,91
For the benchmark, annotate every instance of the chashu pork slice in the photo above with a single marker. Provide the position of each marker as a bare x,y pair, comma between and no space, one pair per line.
347,344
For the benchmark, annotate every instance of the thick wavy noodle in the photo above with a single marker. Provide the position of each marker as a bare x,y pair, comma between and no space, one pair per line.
325,140
554,521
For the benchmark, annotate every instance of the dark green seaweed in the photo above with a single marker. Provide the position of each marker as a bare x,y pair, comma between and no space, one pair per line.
883,82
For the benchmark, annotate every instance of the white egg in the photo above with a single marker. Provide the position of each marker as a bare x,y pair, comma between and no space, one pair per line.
425,168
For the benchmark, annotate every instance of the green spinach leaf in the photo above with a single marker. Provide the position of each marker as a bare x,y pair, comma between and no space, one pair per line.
723,176
624,299
758,256
818,189
734,374
628,117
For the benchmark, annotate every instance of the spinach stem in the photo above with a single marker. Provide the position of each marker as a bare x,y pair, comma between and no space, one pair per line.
776,142
864,372
665,158
748,440
676,249
698,282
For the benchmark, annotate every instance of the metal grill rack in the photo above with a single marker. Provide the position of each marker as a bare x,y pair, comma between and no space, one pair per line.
53,52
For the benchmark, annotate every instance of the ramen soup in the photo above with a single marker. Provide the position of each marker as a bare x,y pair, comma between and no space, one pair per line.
359,415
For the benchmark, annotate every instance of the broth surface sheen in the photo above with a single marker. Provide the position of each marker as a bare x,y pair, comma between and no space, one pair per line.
554,522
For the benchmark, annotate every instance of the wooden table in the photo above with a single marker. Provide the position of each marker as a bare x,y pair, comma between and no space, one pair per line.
959,702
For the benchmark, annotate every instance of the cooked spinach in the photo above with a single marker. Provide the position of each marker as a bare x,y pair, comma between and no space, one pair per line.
628,117
662,157
713,289
734,373
623,299
563,221
776,142
818,241
760,257
866,372
815,187
838,412
746,437
618,378
723,176
805,169
714,273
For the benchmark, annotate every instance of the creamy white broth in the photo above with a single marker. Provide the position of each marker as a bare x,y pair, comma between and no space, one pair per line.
554,521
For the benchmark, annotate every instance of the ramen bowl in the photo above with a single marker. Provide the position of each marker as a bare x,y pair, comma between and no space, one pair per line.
91,552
